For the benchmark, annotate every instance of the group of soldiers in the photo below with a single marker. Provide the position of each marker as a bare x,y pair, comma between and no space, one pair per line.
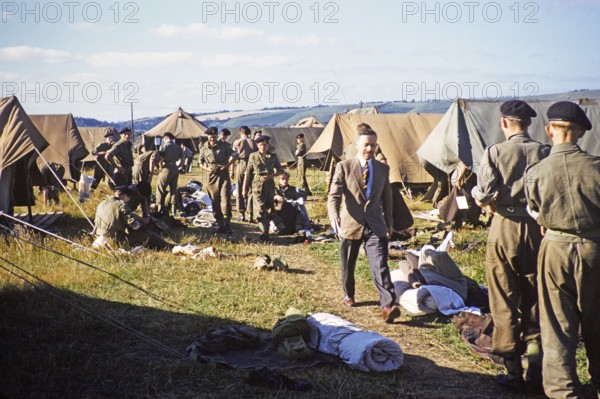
543,253
257,168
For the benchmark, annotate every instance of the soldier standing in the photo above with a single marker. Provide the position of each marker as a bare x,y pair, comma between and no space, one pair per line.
563,189
300,154
263,167
216,157
169,173
122,152
244,146
102,166
513,243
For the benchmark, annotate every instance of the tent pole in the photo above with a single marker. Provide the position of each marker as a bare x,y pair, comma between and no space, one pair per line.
132,127
29,191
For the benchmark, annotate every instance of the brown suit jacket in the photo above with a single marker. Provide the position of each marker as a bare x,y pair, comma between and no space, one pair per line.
347,200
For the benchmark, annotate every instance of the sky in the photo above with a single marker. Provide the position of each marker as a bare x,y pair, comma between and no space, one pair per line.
96,58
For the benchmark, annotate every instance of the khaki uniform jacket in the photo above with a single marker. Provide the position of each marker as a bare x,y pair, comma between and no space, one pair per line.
259,165
564,189
122,151
217,155
502,166
347,199
141,167
112,217
173,152
244,147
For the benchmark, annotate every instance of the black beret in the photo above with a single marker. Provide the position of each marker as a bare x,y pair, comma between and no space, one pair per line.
169,135
109,133
262,138
569,112
212,130
124,190
518,109
225,132
125,130
300,135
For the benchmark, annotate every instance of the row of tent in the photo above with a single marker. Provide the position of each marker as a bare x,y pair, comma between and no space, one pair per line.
409,141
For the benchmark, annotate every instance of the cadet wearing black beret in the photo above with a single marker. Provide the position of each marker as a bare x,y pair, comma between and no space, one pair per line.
109,133
567,111
262,138
517,109
120,190
125,131
169,135
212,130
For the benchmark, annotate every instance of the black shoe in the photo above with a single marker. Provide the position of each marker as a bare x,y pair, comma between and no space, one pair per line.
264,237
533,379
221,229
511,383
228,229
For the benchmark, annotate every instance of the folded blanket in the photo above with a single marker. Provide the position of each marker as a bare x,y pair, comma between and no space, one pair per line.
431,298
361,350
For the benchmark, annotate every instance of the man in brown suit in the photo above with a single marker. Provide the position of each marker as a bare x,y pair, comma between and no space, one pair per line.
361,189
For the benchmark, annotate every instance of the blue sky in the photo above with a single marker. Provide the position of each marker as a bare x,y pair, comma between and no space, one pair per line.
91,58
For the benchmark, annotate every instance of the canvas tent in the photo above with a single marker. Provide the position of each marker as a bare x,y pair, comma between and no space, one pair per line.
364,111
19,139
66,147
284,140
186,129
311,121
93,136
471,125
399,136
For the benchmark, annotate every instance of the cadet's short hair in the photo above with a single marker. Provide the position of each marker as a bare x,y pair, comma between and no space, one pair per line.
169,135
286,174
245,129
225,132
367,132
363,126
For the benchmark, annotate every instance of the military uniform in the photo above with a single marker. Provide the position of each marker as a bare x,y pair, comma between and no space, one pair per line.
102,166
244,147
122,151
219,183
114,220
141,167
289,218
563,188
513,242
168,175
301,165
263,193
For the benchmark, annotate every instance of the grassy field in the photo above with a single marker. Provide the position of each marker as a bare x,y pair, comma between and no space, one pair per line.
75,324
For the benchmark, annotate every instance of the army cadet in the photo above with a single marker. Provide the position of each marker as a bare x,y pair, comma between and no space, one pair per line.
290,214
169,173
122,153
563,190
141,166
513,242
244,146
300,154
103,168
114,220
188,157
216,157
263,167
224,136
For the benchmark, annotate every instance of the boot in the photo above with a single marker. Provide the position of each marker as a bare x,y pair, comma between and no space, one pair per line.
513,380
227,227
533,377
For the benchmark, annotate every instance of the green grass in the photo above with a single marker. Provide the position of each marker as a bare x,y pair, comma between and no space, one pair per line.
54,345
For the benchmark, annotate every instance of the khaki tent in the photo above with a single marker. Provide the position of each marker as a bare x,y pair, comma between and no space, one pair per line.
311,121
19,139
364,111
186,129
93,136
399,137
284,140
66,147
471,125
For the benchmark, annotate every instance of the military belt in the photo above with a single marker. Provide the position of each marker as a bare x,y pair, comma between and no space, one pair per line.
592,234
510,212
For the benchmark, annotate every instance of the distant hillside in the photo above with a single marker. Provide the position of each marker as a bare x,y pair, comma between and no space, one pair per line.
287,116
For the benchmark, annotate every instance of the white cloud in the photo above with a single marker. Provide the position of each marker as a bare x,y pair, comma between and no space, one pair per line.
298,40
161,59
139,60
20,53
200,30
230,60
8,75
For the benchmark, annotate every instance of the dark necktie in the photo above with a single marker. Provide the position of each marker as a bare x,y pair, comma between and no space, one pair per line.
365,175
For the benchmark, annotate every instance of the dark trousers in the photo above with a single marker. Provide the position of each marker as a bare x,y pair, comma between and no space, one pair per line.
377,253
